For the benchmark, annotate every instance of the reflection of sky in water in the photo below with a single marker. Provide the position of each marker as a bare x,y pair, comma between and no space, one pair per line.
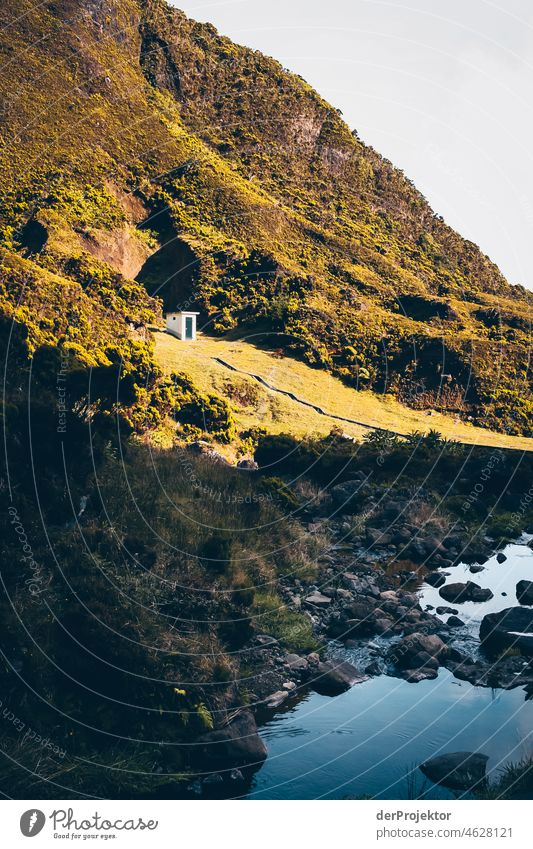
366,741
499,577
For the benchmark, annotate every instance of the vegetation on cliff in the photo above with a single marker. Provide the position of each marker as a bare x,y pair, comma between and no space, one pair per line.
146,161
140,144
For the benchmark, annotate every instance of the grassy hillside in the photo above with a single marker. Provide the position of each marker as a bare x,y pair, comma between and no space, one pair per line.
256,407
146,161
140,144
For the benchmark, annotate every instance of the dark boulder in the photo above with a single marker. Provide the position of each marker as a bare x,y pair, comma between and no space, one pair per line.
236,744
453,542
415,650
415,676
477,553
375,536
457,770
360,609
345,494
295,662
247,465
458,593
357,618
501,557
509,628
435,579
334,677
417,551
317,599
423,659
524,592
455,622
374,668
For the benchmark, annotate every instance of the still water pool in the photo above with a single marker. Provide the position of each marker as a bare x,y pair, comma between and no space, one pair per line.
370,740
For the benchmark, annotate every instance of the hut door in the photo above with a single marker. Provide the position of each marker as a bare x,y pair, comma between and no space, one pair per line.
188,327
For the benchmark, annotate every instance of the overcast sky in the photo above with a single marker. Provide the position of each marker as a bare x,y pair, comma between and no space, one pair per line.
442,89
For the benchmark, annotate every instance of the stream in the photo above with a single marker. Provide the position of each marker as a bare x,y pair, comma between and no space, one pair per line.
370,740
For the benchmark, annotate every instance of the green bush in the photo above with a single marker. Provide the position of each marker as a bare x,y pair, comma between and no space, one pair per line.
199,413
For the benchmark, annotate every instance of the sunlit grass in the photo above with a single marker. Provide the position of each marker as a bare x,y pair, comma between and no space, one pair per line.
256,406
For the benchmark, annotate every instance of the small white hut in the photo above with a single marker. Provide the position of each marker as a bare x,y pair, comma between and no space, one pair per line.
182,325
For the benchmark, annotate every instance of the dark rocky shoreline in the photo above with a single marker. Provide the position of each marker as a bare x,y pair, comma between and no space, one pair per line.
362,602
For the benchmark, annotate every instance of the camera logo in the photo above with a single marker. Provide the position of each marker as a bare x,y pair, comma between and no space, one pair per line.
32,822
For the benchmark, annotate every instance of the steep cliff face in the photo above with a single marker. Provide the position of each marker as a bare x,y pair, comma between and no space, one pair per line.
147,141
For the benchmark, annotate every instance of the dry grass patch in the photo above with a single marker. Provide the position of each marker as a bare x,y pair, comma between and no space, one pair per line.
256,406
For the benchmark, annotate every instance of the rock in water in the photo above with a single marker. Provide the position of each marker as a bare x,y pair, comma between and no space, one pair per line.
435,579
455,622
237,744
418,656
275,700
457,770
416,643
524,592
509,628
458,593
333,678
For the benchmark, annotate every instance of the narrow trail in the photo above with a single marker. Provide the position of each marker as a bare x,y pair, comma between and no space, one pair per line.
304,403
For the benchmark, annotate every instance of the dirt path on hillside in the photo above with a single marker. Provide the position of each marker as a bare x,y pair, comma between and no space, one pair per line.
304,403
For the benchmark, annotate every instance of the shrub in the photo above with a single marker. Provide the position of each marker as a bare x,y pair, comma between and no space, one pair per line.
216,553
197,412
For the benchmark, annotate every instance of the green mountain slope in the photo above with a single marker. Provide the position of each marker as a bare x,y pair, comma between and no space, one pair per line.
137,144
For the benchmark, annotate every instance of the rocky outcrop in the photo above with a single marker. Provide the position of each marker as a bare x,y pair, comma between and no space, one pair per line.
455,622
333,677
459,593
247,465
457,770
435,579
509,628
236,744
344,495
318,600
417,642
505,673
524,592
418,656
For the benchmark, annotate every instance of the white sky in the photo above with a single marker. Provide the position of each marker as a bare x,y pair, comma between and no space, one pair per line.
442,88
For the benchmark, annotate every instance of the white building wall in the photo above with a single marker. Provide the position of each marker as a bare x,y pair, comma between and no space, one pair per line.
177,324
